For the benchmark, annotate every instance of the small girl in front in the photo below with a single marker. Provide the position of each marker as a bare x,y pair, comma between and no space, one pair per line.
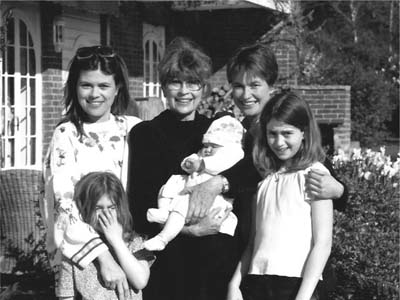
291,235
102,204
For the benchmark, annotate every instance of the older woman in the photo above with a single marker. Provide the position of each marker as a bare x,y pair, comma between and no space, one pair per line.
198,263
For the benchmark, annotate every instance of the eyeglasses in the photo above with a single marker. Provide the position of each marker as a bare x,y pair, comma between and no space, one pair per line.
89,52
193,86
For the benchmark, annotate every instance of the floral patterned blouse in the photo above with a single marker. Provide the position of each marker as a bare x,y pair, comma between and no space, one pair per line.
103,147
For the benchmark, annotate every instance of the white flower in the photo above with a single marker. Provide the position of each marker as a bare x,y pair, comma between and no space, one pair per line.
357,153
367,175
383,149
340,156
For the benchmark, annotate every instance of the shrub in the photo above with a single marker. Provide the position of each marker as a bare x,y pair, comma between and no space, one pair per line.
31,277
220,100
365,250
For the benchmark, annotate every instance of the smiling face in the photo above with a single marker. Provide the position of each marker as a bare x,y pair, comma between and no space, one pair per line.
96,92
250,93
284,140
183,101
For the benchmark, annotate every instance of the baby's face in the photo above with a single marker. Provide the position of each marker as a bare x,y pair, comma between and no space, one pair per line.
209,149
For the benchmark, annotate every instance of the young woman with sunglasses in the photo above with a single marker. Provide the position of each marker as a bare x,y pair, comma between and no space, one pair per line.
92,136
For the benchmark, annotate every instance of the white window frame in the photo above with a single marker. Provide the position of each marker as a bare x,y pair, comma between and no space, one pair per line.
21,156
155,37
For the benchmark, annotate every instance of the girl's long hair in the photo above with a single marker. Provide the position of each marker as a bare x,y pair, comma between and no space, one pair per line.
289,108
91,187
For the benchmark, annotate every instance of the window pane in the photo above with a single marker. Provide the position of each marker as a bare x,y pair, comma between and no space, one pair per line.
33,151
3,121
3,153
3,95
24,60
11,157
24,92
146,72
30,40
11,122
154,72
33,120
3,57
10,61
24,152
22,34
23,122
32,62
10,31
146,51
32,85
154,52
10,91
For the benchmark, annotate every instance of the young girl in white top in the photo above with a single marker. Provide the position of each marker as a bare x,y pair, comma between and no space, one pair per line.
291,235
103,205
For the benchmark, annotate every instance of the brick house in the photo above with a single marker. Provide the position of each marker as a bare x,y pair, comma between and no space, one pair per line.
39,39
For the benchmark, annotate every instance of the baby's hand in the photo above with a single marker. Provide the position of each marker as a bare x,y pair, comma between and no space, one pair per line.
191,165
110,226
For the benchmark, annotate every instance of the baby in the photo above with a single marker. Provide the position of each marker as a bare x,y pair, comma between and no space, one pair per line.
222,148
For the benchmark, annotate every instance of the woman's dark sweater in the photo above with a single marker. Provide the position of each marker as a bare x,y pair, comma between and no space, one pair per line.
197,268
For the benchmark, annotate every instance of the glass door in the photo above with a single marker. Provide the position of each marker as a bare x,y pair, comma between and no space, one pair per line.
20,140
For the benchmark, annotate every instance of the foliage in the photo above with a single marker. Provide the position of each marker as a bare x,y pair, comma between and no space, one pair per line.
33,261
365,251
352,43
31,277
219,101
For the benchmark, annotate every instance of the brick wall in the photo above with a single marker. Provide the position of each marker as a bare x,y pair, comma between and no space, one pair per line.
331,106
126,39
52,91
286,57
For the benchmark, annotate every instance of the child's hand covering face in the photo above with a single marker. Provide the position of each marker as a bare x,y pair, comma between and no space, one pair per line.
110,226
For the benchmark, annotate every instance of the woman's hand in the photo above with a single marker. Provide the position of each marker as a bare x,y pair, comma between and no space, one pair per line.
322,185
110,227
210,224
201,198
113,276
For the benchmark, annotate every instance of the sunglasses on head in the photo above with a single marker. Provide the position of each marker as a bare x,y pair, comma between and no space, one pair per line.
100,51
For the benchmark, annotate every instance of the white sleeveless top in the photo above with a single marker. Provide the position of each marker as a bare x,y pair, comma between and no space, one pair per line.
283,238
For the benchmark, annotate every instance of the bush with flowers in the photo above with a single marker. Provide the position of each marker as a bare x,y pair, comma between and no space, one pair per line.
365,251
219,101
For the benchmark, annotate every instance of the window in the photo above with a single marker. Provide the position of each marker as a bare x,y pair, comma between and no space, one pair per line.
19,107
153,49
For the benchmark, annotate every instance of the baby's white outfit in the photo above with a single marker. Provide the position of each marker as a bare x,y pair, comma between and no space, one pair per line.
226,132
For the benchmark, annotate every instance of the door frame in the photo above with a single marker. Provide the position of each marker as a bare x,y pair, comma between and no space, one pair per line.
30,15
